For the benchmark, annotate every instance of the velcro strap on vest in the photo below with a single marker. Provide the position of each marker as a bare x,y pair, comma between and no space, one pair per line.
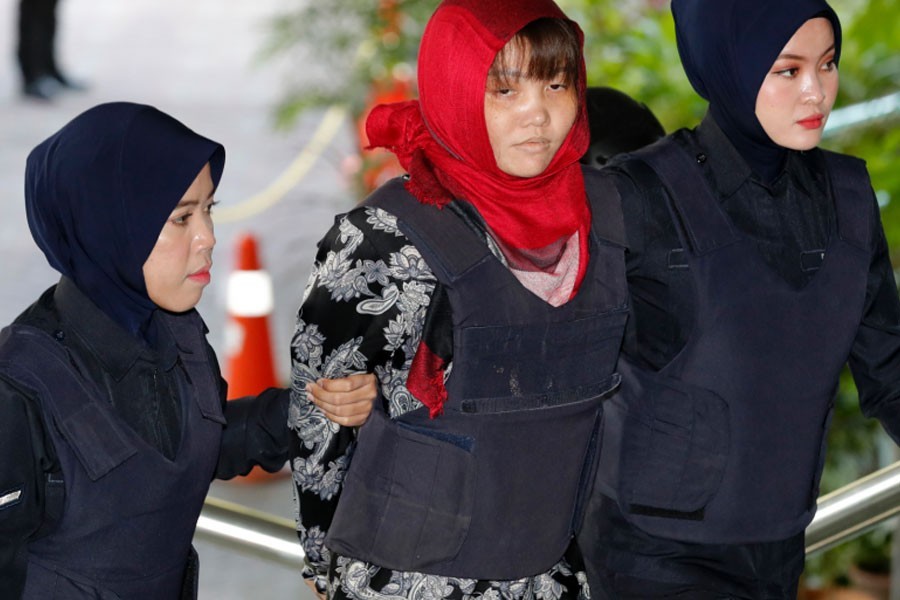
702,219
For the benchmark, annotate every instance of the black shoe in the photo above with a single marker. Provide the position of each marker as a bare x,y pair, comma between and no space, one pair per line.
44,87
74,85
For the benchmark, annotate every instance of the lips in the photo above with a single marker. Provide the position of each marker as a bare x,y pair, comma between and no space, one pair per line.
813,122
534,144
201,276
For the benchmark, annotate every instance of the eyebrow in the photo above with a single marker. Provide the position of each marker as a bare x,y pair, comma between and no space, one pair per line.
799,57
193,202
513,75
506,73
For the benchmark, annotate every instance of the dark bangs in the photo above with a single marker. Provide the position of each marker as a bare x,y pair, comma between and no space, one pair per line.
554,51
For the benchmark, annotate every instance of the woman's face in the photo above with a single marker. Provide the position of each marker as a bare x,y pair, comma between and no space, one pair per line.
527,119
797,94
177,269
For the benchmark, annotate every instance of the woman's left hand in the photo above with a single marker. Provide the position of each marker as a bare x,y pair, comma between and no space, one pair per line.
312,586
346,401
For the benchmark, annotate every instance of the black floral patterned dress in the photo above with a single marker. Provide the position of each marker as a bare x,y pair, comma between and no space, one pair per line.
364,310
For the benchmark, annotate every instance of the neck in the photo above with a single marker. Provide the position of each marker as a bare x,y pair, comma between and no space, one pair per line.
762,155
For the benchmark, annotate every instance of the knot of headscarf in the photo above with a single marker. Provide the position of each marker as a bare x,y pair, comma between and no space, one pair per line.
442,139
400,128
98,192
727,48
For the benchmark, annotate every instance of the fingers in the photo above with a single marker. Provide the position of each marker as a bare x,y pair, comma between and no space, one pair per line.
312,586
349,383
348,390
347,401
347,415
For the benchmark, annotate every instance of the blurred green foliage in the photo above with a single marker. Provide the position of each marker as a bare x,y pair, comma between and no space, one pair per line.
342,48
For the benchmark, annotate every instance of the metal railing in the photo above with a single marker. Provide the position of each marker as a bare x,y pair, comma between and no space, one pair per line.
855,509
861,114
261,534
842,515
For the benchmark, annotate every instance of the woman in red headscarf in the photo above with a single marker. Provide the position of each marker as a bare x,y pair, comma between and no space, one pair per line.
486,291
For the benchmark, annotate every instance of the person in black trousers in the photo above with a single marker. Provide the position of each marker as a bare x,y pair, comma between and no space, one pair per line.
757,268
41,77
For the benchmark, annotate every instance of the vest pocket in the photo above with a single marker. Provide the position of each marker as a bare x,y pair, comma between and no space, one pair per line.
407,501
582,395
673,444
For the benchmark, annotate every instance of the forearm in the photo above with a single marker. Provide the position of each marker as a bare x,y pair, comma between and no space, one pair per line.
256,434
357,314
320,454
875,356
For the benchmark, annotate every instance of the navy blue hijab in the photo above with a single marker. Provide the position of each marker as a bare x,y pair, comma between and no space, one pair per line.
727,48
98,192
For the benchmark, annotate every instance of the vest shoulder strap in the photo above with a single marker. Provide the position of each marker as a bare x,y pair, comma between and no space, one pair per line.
702,220
852,196
189,331
607,220
33,358
452,246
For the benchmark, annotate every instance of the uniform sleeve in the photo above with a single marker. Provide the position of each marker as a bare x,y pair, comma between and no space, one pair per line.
661,298
20,485
875,356
634,216
255,434
362,312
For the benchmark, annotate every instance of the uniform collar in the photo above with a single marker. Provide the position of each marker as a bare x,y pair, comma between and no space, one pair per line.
729,169
115,348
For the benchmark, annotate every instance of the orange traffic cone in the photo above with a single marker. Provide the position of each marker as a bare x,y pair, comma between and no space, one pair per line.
249,301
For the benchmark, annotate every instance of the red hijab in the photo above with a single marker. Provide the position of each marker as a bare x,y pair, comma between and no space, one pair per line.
442,139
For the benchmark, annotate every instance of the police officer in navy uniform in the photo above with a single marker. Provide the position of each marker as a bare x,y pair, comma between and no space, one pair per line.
757,268
113,418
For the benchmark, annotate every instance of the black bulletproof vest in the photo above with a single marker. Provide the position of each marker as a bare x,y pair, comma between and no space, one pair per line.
130,513
491,489
725,444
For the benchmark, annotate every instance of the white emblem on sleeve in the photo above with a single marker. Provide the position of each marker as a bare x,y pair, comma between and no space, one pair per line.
10,498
